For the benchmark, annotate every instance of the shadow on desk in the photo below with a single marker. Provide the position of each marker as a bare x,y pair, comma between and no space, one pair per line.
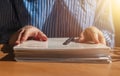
8,50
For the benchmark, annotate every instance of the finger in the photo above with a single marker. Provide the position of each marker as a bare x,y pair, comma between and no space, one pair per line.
94,37
82,35
19,36
41,36
25,36
81,38
102,39
86,36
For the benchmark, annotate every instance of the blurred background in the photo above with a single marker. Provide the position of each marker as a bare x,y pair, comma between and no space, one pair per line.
116,19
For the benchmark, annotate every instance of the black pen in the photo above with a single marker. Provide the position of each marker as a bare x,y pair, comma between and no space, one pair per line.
68,41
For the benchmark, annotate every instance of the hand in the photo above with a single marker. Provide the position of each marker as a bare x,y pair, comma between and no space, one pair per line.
92,34
26,33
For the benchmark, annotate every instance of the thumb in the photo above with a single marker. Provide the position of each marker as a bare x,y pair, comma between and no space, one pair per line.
81,38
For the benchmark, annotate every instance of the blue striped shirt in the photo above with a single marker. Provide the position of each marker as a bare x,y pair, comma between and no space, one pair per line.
61,18
66,18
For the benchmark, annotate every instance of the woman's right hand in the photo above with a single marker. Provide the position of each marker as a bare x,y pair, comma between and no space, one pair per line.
26,33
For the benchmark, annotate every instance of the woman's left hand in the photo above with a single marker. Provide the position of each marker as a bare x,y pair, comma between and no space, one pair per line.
92,34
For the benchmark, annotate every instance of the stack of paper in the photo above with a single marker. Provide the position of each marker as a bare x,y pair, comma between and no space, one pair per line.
55,50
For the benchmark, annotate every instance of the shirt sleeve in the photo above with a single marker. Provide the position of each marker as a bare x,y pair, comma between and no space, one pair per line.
103,20
8,21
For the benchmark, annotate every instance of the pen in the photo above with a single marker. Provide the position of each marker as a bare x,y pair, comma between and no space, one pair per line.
68,41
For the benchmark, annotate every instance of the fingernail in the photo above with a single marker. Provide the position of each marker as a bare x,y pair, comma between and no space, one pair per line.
44,38
17,42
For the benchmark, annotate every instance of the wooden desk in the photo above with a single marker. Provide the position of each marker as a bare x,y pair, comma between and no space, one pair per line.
13,68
